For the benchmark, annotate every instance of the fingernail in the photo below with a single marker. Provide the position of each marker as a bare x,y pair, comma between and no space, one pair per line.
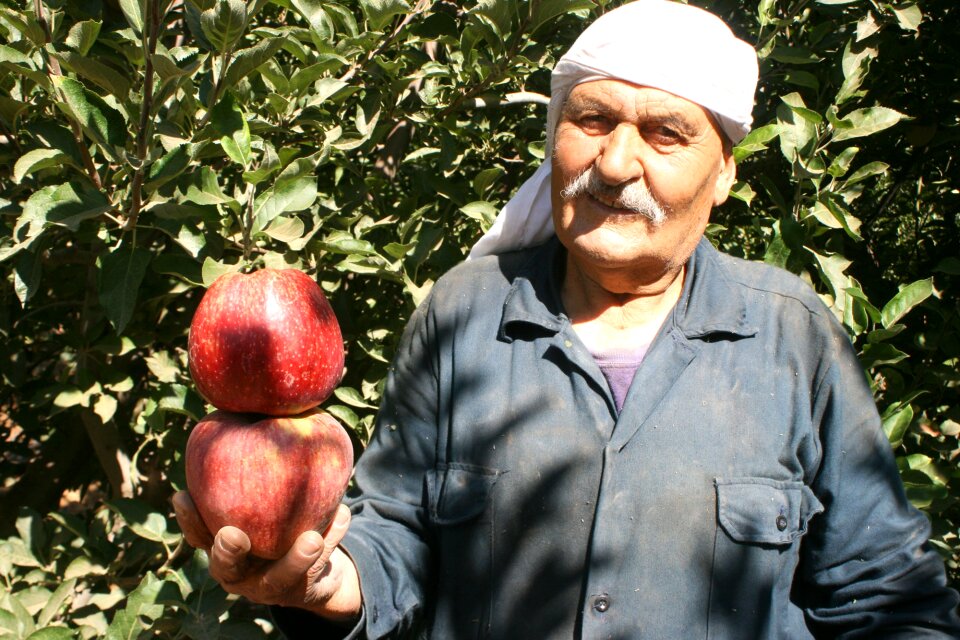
229,547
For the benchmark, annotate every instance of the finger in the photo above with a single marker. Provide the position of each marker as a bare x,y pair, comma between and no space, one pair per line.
335,532
192,525
286,579
229,555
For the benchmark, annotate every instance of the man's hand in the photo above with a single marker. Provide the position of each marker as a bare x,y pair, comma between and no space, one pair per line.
314,575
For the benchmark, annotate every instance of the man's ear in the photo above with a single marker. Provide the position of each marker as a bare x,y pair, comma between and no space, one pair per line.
725,178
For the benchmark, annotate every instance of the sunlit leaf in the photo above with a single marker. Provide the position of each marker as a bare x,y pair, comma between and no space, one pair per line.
104,124
865,122
380,12
905,300
224,24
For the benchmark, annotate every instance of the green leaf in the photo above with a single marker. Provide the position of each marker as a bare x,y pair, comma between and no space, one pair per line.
163,366
121,272
23,620
743,191
896,424
848,222
213,270
380,12
794,55
480,210
186,234
27,272
143,520
53,633
82,566
56,205
24,22
15,551
832,268
841,164
287,195
908,16
35,160
82,35
96,72
52,608
237,146
546,10
247,60
183,400
798,133
101,122
224,24
175,63
755,141
133,11
865,122
168,167
285,229
8,622
226,116
352,397
855,63
908,297
346,415
29,525
142,608
321,25
880,353
870,169
344,243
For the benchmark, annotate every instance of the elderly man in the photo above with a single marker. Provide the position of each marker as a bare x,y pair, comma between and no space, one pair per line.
599,426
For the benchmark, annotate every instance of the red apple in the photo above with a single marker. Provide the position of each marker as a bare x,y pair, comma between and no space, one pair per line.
265,342
274,478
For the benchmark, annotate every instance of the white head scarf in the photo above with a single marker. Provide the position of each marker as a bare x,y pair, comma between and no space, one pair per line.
663,44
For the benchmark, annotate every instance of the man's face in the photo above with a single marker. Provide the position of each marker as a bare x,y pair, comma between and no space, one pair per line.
635,139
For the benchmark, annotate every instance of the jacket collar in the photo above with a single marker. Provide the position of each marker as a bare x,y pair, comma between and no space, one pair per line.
710,303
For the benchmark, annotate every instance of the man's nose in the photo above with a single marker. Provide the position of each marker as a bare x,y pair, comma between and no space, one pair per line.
620,156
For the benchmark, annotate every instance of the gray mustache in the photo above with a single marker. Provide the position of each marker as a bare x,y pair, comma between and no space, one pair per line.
633,197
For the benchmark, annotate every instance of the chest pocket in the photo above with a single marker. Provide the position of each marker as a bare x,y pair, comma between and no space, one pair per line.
764,511
462,514
760,525
457,493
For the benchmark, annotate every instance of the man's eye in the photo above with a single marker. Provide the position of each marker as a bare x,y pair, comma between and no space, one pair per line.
664,134
593,122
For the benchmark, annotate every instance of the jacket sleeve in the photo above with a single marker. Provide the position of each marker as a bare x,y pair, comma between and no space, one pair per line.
867,569
388,538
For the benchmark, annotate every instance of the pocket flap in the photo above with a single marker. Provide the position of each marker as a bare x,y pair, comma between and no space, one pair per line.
765,511
458,492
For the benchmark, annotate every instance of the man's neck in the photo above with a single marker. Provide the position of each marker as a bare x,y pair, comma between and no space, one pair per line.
617,314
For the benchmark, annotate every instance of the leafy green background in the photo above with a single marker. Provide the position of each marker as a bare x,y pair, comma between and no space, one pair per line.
147,146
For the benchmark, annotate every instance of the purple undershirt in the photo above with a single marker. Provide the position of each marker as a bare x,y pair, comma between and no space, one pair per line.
618,367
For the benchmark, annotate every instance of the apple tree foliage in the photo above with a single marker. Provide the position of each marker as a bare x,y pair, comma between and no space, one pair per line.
147,146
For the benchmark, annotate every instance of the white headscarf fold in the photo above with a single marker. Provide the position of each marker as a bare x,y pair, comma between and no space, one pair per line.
662,44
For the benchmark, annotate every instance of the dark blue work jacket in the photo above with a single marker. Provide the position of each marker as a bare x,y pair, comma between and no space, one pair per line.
745,490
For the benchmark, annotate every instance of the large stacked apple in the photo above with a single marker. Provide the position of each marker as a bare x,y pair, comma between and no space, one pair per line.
265,349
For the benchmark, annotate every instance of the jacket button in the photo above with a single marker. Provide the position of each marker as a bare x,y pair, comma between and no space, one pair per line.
781,522
601,604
